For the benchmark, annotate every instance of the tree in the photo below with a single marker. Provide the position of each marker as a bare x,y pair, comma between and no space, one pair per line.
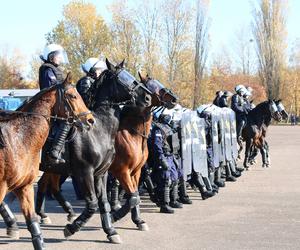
12,65
149,23
126,38
82,32
201,48
176,20
269,30
243,51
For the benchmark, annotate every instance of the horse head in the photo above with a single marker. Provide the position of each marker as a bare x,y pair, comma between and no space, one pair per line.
273,109
161,96
117,86
281,109
70,105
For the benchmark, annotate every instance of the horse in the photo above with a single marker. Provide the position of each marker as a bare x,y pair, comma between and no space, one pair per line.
257,119
132,150
90,154
254,150
23,134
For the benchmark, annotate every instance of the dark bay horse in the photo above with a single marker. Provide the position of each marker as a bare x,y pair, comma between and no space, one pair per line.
131,148
23,135
257,121
91,154
254,150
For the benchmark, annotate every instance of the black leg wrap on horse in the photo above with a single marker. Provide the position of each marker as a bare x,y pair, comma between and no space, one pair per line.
136,215
83,218
131,201
67,207
40,204
8,217
106,218
36,234
115,203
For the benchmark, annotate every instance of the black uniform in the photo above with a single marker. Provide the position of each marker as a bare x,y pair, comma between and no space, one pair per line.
49,75
239,106
83,86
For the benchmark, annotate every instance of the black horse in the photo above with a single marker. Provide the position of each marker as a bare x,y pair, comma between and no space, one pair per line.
265,147
257,121
91,153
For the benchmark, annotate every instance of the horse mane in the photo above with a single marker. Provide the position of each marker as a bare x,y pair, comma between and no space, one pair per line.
6,116
36,97
258,109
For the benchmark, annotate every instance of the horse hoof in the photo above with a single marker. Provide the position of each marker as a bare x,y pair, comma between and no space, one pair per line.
143,227
13,233
67,233
71,217
268,166
115,239
46,221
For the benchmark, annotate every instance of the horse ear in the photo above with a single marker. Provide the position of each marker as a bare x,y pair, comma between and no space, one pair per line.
109,65
121,65
141,77
69,79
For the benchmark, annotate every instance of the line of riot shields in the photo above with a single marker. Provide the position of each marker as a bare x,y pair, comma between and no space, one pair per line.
209,149
209,144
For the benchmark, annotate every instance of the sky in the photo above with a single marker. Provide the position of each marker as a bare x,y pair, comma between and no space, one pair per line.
25,23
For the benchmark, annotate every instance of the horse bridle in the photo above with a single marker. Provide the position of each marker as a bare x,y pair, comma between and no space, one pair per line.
65,99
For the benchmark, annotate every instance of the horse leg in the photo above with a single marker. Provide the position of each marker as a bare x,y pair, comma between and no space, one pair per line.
263,156
90,208
240,143
41,198
26,197
104,207
131,196
115,202
266,147
135,211
247,152
55,189
12,229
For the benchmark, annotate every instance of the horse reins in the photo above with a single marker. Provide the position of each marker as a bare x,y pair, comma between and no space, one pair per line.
70,119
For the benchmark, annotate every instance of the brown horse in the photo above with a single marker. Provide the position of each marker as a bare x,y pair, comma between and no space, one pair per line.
131,148
23,135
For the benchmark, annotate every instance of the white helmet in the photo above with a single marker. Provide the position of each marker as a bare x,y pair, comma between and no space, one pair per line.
249,89
93,63
240,89
57,49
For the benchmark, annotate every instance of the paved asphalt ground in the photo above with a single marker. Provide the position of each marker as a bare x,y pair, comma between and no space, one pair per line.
259,211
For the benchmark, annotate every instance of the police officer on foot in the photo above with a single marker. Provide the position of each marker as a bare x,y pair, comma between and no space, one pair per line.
217,98
93,67
50,73
165,165
239,106
224,99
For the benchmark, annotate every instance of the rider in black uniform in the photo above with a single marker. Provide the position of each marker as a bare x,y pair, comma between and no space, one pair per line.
50,73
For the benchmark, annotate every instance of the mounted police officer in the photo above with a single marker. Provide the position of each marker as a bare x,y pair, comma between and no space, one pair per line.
50,73
93,67
239,106
224,99
165,164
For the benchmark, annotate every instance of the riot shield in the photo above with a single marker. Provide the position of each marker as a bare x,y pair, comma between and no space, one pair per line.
226,112
186,142
199,153
234,145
